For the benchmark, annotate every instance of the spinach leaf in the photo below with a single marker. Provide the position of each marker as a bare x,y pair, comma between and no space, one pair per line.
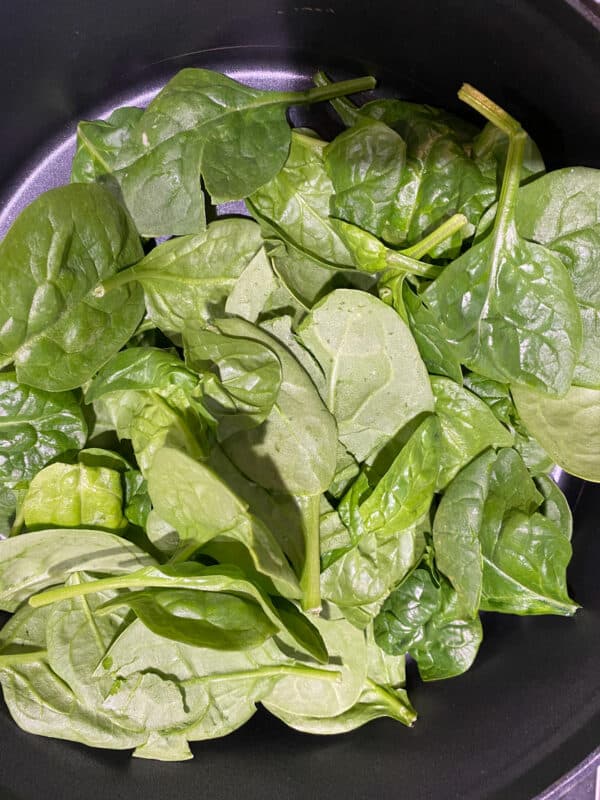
512,527
253,290
74,495
456,530
498,397
142,369
203,619
295,205
567,427
555,506
40,701
75,620
164,409
35,427
376,381
53,325
440,177
386,526
241,377
507,305
204,123
219,688
294,449
99,143
190,277
383,695
437,353
424,618
468,427
316,697
561,210
192,498
33,561
365,164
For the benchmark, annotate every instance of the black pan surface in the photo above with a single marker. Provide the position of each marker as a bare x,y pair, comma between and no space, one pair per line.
529,710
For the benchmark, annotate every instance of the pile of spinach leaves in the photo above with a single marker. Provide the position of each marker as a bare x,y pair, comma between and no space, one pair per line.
267,459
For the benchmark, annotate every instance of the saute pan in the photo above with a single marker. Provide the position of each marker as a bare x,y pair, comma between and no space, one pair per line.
529,710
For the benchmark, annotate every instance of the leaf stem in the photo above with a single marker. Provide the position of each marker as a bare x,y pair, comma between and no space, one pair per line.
399,259
329,91
436,237
121,278
504,222
488,109
310,581
404,713
274,671
346,109
58,593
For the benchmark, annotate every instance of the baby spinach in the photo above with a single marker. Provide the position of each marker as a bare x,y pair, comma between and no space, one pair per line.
35,427
99,143
423,617
507,304
190,277
241,377
206,124
73,495
318,445
566,427
33,561
511,526
376,381
54,256
191,497
440,177
468,427
365,164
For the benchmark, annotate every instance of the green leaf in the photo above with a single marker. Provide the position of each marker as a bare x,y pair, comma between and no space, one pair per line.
190,277
425,619
507,305
439,356
204,123
98,145
315,697
456,529
294,450
53,326
525,554
203,619
440,177
41,702
561,210
253,289
33,561
142,369
295,205
73,495
568,428
191,497
76,620
555,506
376,380
404,493
35,427
365,164
241,380
468,427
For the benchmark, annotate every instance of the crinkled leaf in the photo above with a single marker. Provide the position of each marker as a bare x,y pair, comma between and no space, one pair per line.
56,253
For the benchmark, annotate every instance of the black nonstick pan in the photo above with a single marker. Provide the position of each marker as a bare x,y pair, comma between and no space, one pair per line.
529,710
